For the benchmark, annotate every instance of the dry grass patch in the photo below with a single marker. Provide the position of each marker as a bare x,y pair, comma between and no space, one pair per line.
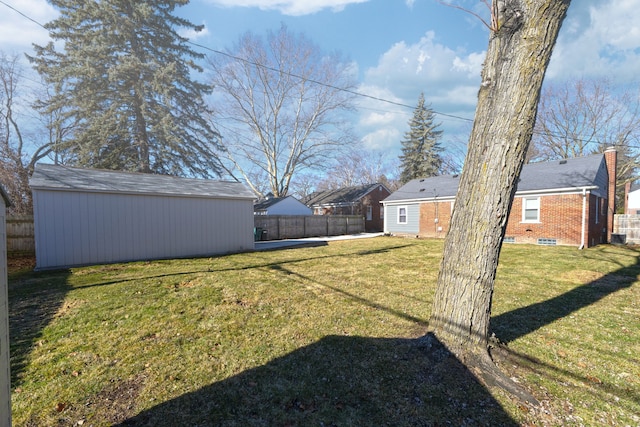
320,336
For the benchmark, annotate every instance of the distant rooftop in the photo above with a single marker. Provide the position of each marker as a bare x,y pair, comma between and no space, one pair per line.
339,196
578,172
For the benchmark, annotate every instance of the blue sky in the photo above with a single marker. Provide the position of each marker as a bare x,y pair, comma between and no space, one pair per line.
400,48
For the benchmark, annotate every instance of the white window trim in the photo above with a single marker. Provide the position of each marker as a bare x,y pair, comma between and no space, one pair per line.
406,215
524,210
369,213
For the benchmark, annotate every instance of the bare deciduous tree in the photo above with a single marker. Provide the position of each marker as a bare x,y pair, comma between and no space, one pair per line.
360,167
16,163
577,118
281,107
582,117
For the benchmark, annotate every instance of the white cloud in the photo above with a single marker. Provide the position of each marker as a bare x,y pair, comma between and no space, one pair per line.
195,35
17,31
599,39
448,78
290,7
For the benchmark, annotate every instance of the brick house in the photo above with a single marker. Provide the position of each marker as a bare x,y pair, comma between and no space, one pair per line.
565,202
356,200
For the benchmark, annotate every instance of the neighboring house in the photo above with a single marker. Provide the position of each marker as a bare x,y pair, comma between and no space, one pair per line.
288,205
566,202
89,216
632,199
357,200
5,375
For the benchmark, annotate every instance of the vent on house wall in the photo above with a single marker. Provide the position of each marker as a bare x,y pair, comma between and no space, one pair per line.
563,162
509,239
548,242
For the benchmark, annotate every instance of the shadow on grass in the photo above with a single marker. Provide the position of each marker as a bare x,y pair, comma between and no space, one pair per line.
213,269
34,300
522,321
341,381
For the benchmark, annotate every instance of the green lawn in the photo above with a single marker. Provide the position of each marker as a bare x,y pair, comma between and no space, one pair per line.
321,336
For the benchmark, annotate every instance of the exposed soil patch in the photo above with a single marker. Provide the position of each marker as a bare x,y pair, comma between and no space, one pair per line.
18,264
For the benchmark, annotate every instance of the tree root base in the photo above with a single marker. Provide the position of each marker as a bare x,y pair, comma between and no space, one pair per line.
481,364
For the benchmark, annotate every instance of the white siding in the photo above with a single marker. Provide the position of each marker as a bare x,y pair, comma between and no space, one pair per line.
289,206
79,228
5,377
633,206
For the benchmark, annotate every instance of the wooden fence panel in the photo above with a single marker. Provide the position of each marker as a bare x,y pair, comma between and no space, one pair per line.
20,235
629,225
277,227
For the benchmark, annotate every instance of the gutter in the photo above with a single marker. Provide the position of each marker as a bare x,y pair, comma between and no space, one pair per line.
584,218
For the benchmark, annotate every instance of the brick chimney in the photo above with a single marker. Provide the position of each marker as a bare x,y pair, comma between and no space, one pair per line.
611,160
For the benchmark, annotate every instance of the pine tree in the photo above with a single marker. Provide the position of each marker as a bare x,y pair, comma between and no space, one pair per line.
421,147
123,80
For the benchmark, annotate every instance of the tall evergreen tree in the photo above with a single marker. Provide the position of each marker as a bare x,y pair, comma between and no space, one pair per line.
123,79
421,148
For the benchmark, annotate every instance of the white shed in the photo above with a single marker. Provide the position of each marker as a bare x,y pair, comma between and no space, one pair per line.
288,205
5,376
89,216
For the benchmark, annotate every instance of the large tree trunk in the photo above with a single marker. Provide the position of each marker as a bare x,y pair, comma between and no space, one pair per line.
520,47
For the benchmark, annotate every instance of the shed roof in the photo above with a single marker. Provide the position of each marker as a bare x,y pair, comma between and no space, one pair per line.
340,196
65,178
5,196
578,172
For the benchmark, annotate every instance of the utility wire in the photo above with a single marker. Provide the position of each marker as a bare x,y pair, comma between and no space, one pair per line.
353,92
267,67
20,13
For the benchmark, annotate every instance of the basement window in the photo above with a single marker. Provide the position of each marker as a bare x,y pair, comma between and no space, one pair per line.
509,239
547,242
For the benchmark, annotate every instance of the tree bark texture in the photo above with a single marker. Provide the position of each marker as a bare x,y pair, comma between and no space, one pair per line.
520,47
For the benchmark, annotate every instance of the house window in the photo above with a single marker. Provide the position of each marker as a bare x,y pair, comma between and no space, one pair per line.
598,209
381,212
402,214
531,210
369,212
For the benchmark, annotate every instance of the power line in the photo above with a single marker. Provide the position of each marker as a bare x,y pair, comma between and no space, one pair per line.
20,13
350,91
267,67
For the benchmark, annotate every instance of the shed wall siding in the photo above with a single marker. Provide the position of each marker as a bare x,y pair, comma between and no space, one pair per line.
78,228
5,377
413,219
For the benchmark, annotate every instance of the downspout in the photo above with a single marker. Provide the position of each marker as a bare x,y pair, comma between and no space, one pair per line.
584,217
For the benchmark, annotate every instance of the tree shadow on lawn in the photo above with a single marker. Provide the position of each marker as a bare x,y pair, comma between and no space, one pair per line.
339,381
213,268
34,300
342,380
522,321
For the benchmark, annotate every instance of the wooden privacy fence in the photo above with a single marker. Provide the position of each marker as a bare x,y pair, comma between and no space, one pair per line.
277,227
20,235
628,225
